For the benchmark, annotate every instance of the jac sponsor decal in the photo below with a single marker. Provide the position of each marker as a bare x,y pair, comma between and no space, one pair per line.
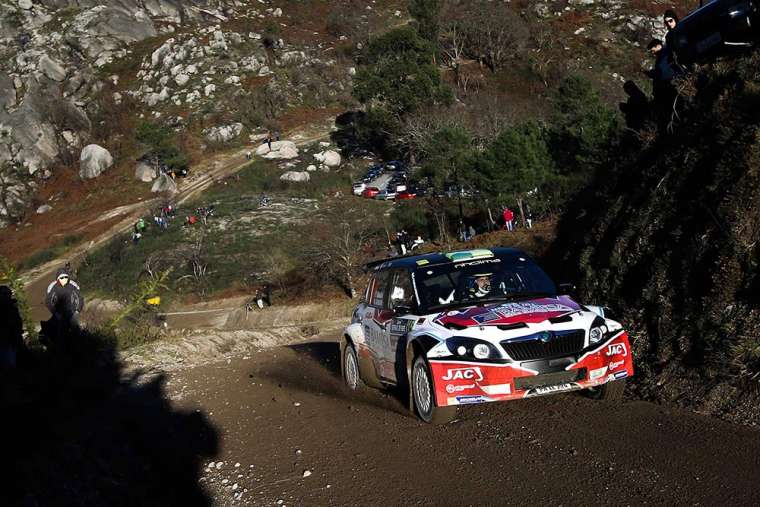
598,373
471,399
557,388
616,364
616,349
451,388
464,374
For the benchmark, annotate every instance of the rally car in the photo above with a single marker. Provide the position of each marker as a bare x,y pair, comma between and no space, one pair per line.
478,326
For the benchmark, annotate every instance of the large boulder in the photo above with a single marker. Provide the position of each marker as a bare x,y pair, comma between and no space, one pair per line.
93,160
145,172
165,183
330,158
298,176
280,150
224,133
51,68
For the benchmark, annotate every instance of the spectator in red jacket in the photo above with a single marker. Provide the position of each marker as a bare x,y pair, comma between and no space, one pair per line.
509,217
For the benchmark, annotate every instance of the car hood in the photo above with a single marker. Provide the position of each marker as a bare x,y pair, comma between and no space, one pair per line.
528,311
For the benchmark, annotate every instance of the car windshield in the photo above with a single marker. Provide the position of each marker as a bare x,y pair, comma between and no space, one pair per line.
479,281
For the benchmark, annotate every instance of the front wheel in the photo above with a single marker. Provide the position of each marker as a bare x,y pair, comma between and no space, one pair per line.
351,368
611,391
424,396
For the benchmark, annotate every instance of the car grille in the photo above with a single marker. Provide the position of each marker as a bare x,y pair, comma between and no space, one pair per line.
549,379
560,343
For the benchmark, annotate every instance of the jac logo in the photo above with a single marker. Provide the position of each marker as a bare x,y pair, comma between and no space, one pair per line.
464,374
617,349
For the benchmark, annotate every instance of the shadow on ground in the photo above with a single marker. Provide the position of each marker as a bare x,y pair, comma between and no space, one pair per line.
326,356
78,432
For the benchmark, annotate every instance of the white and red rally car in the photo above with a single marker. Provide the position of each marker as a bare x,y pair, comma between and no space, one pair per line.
477,326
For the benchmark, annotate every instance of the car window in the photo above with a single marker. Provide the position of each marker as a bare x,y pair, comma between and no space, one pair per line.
402,292
378,290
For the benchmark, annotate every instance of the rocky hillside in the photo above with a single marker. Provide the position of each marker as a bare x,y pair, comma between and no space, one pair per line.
668,236
74,73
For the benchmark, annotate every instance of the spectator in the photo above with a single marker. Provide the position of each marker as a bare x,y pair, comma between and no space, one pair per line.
528,217
418,242
670,19
11,330
276,135
508,216
662,74
269,140
248,155
65,302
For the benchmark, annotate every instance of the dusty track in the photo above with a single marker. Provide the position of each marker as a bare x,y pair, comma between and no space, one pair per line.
283,411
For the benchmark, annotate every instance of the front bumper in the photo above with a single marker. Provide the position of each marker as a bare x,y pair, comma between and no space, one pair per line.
465,382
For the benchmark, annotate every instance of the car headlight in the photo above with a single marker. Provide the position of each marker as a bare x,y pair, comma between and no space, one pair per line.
471,348
597,332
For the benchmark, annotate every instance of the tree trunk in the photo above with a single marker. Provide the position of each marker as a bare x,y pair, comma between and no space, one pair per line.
522,211
350,284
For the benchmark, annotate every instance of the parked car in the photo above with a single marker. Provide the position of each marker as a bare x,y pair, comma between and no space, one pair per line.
386,195
370,192
479,326
358,187
716,28
405,195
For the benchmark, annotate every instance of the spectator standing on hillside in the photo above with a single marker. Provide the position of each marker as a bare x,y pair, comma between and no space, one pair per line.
508,216
65,302
418,242
11,330
662,74
269,140
528,217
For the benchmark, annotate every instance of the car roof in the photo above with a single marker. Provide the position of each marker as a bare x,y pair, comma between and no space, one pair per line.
438,258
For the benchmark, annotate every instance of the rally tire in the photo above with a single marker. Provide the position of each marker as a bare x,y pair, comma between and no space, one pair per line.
351,375
423,395
611,391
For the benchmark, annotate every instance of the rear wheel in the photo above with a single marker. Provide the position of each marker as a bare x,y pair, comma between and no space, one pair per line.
611,391
423,395
351,368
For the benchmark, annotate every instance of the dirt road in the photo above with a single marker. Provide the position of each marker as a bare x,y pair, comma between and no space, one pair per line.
282,413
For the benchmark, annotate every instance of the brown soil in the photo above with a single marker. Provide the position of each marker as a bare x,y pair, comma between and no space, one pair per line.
283,411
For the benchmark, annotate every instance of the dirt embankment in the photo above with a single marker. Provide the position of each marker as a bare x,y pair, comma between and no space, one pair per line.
669,236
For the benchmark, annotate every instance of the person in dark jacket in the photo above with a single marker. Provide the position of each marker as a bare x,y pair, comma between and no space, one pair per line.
662,74
65,301
11,329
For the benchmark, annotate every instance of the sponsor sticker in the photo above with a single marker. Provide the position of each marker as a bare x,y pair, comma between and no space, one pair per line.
621,374
598,373
486,317
614,365
497,389
617,349
512,309
471,399
473,373
557,388
451,388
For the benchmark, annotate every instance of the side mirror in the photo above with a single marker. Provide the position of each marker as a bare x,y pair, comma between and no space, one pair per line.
566,289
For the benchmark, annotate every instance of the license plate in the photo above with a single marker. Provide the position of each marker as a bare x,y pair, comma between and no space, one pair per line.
557,388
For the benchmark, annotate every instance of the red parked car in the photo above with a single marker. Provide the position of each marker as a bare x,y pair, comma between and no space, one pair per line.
406,194
370,192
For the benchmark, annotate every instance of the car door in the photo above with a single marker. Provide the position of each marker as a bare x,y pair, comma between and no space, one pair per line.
376,318
402,306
